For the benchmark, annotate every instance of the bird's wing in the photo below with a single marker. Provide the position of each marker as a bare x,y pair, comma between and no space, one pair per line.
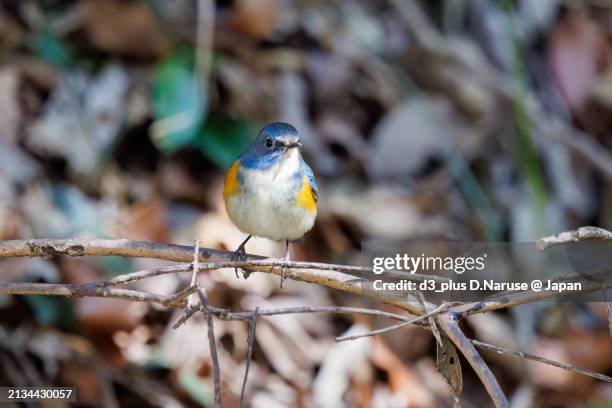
311,180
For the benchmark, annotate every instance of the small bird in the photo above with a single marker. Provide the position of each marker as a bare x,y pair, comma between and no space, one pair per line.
270,191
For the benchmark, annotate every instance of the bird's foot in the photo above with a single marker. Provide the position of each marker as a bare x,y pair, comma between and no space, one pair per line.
286,269
240,255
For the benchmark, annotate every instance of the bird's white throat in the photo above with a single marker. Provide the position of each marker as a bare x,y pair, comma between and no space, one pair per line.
287,165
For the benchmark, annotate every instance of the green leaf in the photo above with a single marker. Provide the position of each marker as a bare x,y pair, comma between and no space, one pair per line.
50,310
222,139
197,388
179,102
53,49
114,265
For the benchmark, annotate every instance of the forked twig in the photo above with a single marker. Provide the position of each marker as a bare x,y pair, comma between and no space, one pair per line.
430,319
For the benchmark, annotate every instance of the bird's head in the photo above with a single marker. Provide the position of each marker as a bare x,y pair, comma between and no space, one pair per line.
274,141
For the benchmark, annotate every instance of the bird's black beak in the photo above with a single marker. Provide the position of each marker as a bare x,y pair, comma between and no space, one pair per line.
292,145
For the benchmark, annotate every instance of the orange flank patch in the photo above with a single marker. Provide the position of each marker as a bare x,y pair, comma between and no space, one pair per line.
305,197
231,185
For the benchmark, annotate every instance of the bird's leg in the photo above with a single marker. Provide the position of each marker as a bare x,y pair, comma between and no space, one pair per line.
240,255
286,258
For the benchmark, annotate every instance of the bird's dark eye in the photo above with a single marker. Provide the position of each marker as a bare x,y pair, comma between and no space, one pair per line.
269,143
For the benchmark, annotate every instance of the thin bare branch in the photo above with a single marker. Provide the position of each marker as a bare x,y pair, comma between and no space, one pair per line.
224,314
251,345
194,265
585,145
442,308
178,298
580,234
528,296
192,300
430,319
72,290
145,274
533,357
213,346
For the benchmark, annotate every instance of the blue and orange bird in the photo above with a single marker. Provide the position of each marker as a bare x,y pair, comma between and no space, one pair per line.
270,191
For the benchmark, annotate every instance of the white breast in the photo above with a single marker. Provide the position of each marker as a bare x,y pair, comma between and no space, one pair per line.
266,205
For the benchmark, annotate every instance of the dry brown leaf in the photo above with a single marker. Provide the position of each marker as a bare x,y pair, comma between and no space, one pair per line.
403,380
86,379
146,221
10,111
256,18
576,50
450,367
590,350
127,28
11,33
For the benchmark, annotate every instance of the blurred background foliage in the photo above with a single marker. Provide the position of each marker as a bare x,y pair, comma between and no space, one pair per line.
432,120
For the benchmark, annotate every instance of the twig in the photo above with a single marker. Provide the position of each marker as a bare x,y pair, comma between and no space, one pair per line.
251,345
212,345
430,319
591,276
528,296
529,356
608,311
179,297
72,290
204,43
191,300
442,308
580,234
224,314
145,274
581,142
195,264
